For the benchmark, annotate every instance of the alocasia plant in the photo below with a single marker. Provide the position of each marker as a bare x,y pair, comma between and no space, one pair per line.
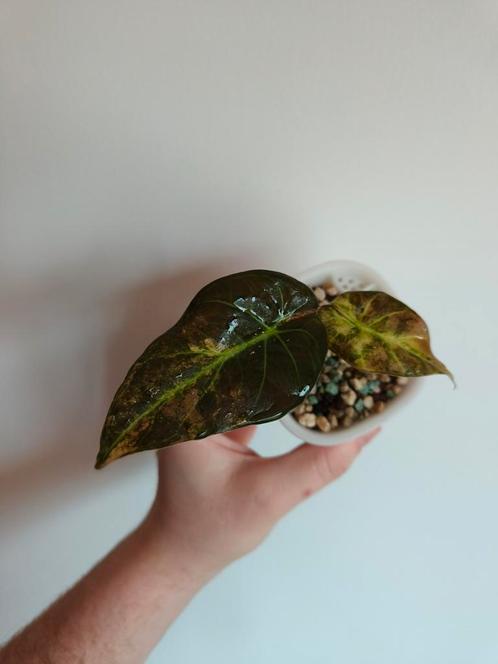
247,350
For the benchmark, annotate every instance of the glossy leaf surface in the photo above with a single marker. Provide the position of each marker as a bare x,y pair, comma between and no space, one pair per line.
247,350
375,332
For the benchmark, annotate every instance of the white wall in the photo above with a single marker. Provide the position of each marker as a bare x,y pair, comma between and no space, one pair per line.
149,146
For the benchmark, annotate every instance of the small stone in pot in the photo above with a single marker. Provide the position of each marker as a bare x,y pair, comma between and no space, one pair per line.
323,424
307,420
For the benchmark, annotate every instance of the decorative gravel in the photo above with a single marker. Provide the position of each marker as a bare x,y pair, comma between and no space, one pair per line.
342,395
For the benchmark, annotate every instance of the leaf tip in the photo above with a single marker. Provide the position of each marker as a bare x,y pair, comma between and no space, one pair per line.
107,455
443,369
452,378
102,460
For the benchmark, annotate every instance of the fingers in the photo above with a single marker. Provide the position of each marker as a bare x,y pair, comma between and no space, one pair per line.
243,435
308,468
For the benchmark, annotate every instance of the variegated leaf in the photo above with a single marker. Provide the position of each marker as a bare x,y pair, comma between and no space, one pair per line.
247,350
375,332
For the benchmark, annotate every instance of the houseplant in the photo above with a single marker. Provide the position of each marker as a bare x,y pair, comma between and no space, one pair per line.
247,350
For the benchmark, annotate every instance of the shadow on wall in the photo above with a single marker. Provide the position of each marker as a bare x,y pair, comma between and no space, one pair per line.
58,470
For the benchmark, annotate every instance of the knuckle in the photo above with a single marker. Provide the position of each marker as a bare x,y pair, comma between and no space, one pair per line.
323,467
332,463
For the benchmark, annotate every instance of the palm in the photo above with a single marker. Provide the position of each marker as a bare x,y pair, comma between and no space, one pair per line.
218,495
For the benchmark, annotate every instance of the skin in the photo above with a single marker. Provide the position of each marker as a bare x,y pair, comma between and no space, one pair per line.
216,501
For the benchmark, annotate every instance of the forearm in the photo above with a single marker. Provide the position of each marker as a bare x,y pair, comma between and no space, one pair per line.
119,610
216,501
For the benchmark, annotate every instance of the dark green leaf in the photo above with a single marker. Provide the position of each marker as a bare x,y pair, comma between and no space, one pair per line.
247,350
377,333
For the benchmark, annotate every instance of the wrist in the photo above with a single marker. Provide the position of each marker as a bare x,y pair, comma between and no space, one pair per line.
193,566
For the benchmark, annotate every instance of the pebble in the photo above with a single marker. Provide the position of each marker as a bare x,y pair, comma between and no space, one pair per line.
323,424
331,291
319,293
402,380
347,422
332,388
334,422
368,402
349,397
358,383
300,409
307,420
359,405
309,408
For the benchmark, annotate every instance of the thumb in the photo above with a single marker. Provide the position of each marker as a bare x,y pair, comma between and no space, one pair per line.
306,469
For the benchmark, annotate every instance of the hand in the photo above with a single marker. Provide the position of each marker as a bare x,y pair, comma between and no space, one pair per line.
217,499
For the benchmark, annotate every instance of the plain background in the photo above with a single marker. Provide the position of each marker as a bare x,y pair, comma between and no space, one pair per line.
149,146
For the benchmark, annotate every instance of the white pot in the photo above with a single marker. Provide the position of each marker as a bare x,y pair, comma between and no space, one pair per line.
347,276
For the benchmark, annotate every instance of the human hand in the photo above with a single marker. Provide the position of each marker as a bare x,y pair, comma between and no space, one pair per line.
217,499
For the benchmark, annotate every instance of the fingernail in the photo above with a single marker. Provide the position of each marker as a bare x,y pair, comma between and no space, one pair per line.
368,437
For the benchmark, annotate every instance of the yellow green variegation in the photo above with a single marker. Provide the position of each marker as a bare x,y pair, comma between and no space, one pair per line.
374,332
